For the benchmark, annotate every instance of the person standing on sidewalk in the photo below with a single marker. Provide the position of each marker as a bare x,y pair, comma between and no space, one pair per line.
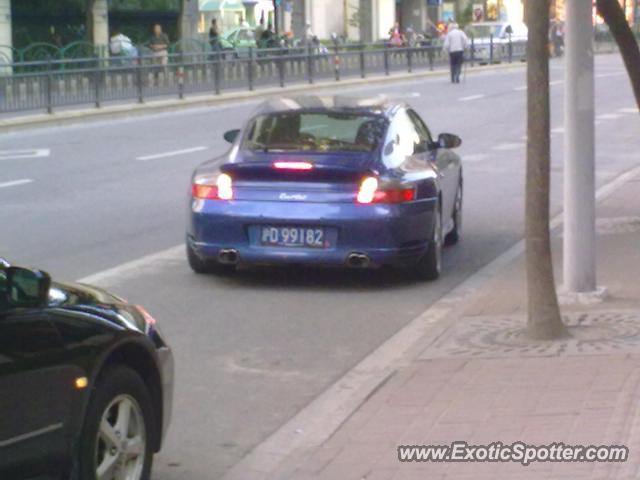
455,43
159,44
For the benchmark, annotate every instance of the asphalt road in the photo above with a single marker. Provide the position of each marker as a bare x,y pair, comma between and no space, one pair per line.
254,348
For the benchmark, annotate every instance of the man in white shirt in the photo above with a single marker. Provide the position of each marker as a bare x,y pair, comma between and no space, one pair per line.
455,43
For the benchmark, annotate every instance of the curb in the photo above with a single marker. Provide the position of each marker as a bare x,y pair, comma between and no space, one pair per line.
282,452
162,106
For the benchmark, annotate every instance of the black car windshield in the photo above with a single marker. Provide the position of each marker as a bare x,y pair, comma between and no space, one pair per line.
315,132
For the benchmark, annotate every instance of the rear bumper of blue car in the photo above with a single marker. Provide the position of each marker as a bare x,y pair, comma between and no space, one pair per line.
385,234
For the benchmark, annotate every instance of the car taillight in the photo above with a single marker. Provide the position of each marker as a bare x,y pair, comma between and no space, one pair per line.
222,190
368,189
370,192
293,165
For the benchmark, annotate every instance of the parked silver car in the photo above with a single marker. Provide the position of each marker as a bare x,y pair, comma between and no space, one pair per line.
499,35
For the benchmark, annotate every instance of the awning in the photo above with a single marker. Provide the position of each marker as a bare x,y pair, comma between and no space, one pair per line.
218,5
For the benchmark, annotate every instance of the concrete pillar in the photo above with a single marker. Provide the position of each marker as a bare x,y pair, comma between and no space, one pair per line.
250,11
383,18
579,266
299,15
100,15
189,22
366,17
414,15
6,40
287,16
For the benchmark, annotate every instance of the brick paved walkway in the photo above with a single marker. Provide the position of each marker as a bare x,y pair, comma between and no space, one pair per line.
478,388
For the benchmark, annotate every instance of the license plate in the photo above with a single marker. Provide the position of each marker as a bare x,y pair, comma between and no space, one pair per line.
292,237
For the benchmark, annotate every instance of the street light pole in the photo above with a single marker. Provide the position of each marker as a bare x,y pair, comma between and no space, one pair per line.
579,266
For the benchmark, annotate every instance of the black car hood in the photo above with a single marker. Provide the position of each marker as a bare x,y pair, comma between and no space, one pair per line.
96,301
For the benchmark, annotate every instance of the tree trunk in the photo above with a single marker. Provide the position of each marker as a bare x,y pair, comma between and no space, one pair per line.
613,15
544,319
89,4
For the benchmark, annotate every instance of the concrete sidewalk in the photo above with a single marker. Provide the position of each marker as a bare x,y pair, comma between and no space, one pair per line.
482,381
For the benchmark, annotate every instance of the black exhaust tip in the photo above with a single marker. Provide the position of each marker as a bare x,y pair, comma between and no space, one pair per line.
228,256
358,260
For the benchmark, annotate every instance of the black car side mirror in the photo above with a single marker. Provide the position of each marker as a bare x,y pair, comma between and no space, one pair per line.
26,288
231,135
448,140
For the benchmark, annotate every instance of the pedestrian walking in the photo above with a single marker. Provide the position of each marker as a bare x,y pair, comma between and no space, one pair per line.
455,43
308,35
557,37
268,38
258,31
214,35
396,39
214,40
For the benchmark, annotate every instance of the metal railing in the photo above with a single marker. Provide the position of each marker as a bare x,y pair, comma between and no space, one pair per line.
56,83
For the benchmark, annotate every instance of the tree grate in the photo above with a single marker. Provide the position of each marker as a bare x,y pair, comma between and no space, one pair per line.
594,333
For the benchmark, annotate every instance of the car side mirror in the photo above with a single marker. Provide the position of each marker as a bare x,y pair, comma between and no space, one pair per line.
26,288
231,135
448,140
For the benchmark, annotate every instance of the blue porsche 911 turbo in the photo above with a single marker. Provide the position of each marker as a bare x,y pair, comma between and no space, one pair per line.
328,181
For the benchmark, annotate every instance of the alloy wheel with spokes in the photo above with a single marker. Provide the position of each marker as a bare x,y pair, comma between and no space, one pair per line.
454,235
120,428
121,442
430,265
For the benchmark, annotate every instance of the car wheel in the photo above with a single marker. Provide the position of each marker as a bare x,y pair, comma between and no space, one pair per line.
118,432
430,265
201,266
454,235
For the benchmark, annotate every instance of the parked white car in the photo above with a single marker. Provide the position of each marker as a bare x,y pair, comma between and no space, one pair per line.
501,34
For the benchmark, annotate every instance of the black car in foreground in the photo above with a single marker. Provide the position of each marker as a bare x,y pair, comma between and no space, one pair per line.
86,381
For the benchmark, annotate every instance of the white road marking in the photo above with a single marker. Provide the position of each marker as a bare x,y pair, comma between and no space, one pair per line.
604,75
141,266
171,154
557,130
608,116
406,95
508,146
20,154
15,183
628,110
522,88
470,98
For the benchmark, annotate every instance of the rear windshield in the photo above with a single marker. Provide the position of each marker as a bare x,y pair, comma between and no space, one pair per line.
315,132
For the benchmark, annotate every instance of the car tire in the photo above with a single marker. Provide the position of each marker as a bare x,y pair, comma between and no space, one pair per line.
202,266
430,265
454,235
118,390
